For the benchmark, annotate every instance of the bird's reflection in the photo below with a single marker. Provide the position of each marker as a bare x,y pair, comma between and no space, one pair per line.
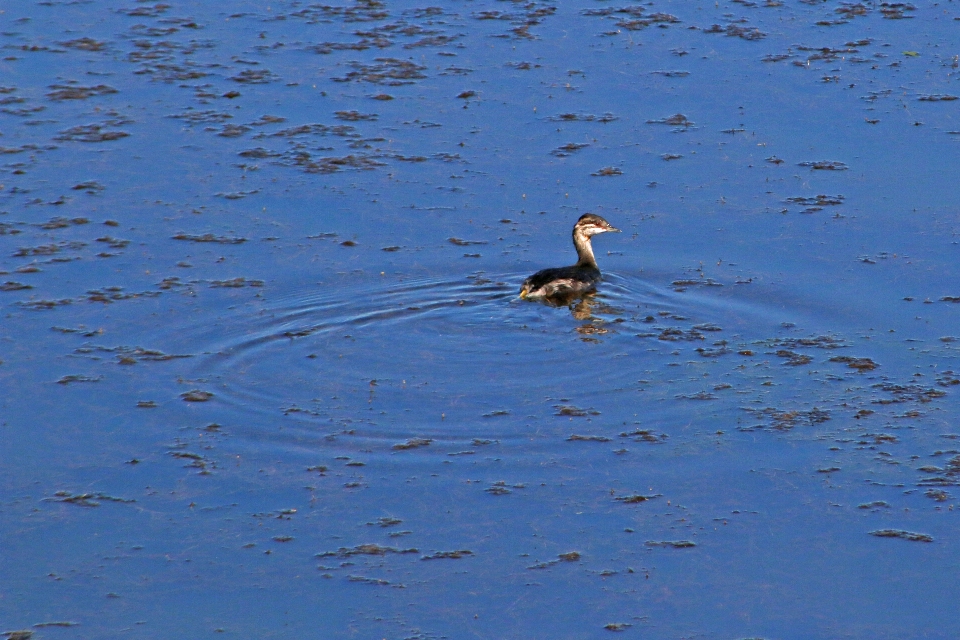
584,308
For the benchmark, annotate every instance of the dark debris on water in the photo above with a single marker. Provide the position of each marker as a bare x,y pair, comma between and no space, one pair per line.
448,555
85,499
209,237
370,549
636,498
904,535
824,165
780,420
196,395
90,133
672,544
412,443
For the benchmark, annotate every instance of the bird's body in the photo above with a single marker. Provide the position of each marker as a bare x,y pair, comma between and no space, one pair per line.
568,282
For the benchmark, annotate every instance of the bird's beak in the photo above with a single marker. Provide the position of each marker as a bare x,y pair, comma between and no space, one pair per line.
614,229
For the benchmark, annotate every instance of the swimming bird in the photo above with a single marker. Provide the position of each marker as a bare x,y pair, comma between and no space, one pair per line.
568,282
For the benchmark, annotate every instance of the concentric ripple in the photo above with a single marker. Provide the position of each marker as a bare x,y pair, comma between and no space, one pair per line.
466,360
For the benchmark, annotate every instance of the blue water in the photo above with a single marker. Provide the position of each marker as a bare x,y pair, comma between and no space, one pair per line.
266,372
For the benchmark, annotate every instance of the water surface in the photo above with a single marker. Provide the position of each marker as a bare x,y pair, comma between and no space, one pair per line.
266,372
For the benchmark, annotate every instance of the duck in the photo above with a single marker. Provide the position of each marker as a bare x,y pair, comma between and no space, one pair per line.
575,280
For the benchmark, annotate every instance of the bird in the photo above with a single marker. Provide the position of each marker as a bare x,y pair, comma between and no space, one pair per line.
569,282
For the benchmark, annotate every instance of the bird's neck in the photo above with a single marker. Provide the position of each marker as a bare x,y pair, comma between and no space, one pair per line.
584,250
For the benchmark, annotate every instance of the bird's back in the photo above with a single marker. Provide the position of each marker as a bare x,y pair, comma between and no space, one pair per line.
560,281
